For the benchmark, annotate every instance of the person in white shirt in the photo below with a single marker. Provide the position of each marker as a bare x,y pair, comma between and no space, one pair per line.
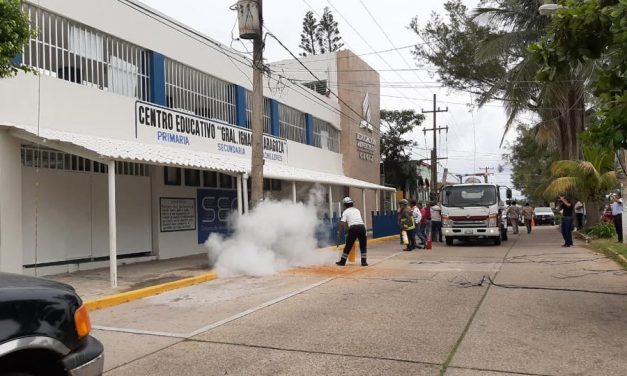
617,212
436,222
579,213
351,218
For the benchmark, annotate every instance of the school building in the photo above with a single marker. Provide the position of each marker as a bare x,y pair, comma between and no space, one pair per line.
132,142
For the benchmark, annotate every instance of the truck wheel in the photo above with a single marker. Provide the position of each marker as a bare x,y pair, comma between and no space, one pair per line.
497,241
449,241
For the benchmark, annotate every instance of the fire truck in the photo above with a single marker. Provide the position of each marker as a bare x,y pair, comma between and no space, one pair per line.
473,211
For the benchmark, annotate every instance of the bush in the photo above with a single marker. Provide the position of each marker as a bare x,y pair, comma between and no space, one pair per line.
602,231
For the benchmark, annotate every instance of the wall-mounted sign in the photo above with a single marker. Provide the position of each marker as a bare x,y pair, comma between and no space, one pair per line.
366,147
214,208
158,124
366,123
177,214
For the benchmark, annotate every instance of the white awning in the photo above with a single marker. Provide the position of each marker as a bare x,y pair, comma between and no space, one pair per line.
102,148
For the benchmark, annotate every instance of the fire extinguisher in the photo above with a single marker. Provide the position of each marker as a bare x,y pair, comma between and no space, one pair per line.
405,237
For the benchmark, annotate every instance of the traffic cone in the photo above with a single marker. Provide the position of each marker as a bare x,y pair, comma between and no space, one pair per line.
352,253
429,243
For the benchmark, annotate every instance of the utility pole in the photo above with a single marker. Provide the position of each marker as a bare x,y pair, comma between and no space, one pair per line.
485,176
256,170
250,18
434,151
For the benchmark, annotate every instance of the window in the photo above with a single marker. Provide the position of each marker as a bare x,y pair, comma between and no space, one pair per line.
326,136
210,179
36,156
292,123
319,87
192,178
77,53
171,176
226,181
271,185
267,121
195,92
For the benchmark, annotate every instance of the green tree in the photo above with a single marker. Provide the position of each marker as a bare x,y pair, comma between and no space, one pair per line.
396,147
15,32
329,33
590,180
531,164
485,52
310,36
591,32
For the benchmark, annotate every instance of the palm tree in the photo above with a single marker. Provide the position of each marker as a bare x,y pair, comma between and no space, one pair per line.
516,24
590,179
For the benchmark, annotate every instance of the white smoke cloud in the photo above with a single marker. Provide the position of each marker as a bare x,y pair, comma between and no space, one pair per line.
272,237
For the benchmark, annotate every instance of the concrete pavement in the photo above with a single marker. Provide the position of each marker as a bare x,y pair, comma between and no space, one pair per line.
553,311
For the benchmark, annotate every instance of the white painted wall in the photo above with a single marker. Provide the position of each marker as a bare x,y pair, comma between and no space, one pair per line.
10,205
313,158
149,29
65,215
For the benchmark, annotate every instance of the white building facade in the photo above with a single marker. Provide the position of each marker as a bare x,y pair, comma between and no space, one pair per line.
132,142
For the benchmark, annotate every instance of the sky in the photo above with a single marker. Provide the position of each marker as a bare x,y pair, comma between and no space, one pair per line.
472,143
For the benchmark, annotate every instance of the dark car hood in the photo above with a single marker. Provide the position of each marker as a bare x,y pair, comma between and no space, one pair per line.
17,281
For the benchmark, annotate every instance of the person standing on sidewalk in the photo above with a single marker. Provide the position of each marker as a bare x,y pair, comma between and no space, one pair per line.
579,212
407,224
513,215
617,213
351,217
527,214
417,219
436,222
567,221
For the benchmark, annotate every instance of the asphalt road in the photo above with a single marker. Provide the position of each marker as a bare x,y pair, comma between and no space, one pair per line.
550,311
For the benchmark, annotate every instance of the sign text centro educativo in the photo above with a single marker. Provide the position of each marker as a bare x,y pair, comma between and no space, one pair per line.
174,127
366,147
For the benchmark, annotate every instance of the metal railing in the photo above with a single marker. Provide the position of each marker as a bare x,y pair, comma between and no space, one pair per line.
326,136
195,92
292,123
74,52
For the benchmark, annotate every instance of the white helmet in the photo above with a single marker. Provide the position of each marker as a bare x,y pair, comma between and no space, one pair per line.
347,200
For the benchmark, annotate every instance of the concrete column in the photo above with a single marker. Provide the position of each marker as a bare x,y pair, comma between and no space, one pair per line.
11,257
394,204
113,256
294,191
245,191
330,201
376,199
239,195
363,201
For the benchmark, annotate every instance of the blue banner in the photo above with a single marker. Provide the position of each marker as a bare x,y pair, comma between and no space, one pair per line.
214,208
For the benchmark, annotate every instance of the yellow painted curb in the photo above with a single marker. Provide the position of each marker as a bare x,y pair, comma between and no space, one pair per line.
382,239
125,297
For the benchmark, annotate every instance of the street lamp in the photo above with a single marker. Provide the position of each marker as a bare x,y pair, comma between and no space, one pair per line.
548,8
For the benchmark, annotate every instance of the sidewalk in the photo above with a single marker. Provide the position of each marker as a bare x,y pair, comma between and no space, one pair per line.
91,284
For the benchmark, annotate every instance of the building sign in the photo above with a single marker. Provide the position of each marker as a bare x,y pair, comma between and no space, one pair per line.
214,208
366,147
177,214
162,125
366,112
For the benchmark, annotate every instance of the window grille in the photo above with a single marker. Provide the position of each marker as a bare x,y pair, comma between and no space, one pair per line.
267,122
319,87
292,124
326,136
74,52
52,159
194,92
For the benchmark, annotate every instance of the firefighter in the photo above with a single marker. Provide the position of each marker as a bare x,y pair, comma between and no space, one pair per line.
351,218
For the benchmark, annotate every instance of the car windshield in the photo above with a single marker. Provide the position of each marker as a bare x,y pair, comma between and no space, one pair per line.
543,211
470,195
